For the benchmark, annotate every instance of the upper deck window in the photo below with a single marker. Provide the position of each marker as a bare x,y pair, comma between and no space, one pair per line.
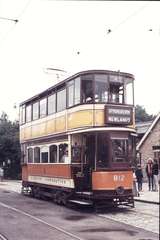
73,92
28,113
35,110
22,114
61,100
52,103
87,88
43,107
101,88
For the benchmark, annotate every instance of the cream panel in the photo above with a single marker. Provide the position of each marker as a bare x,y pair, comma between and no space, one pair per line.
60,125
50,126
80,119
99,118
27,133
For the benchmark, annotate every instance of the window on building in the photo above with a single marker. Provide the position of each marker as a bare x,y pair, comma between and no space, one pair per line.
61,100
28,113
35,110
43,107
52,104
30,155
53,153
37,155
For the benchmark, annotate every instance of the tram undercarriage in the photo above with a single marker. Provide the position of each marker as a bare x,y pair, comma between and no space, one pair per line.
96,199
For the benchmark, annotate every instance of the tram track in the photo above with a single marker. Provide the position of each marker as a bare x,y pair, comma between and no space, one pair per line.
38,220
2,237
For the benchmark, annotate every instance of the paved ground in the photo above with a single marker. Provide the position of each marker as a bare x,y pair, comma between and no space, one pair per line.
25,218
145,215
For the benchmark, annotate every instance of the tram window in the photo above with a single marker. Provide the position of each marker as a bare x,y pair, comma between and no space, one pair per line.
53,153
129,93
22,114
63,153
77,91
101,88
43,107
36,155
76,153
44,157
70,93
35,110
87,88
120,150
116,93
52,104
30,155
28,113
61,100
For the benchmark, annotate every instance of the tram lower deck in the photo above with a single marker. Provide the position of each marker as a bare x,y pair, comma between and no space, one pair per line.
93,166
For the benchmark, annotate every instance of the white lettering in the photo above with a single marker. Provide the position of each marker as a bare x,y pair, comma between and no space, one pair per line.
118,178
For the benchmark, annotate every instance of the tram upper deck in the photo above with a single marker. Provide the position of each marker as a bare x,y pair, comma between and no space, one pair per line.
94,98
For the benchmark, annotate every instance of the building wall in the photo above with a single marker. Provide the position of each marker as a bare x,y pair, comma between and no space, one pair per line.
146,149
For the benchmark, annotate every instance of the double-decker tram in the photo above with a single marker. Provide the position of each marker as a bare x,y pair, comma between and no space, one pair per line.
78,139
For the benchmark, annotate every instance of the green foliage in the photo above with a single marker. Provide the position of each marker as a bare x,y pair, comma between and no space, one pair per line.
9,147
142,115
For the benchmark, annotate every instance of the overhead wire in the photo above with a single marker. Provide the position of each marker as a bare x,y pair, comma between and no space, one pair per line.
16,20
110,30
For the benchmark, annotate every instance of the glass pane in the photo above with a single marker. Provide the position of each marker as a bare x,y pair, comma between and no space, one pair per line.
116,94
120,150
44,157
101,88
53,153
30,155
61,100
43,107
71,94
35,110
76,153
28,113
63,153
22,114
36,154
52,104
77,91
129,94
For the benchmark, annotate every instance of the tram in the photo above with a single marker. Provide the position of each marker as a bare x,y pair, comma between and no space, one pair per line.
78,140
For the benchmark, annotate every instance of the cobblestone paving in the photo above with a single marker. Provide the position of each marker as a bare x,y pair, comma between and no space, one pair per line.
144,215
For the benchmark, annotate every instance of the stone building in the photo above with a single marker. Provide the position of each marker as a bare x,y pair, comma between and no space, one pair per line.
149,145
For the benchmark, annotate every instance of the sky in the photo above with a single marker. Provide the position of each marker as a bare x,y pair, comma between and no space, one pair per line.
73,36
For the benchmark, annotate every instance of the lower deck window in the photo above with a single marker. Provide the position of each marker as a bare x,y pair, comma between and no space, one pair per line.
53,153
44,157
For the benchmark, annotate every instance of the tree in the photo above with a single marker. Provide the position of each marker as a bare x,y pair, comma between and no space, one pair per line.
9,147
142,115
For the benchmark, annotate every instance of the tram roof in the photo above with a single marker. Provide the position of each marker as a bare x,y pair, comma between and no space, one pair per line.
49,90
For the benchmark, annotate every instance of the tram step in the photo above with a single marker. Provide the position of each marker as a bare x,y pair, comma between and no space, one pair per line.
81,202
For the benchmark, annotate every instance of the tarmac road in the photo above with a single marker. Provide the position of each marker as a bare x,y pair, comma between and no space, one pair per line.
24,218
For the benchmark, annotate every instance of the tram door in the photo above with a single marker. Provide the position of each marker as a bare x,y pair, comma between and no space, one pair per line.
83,154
